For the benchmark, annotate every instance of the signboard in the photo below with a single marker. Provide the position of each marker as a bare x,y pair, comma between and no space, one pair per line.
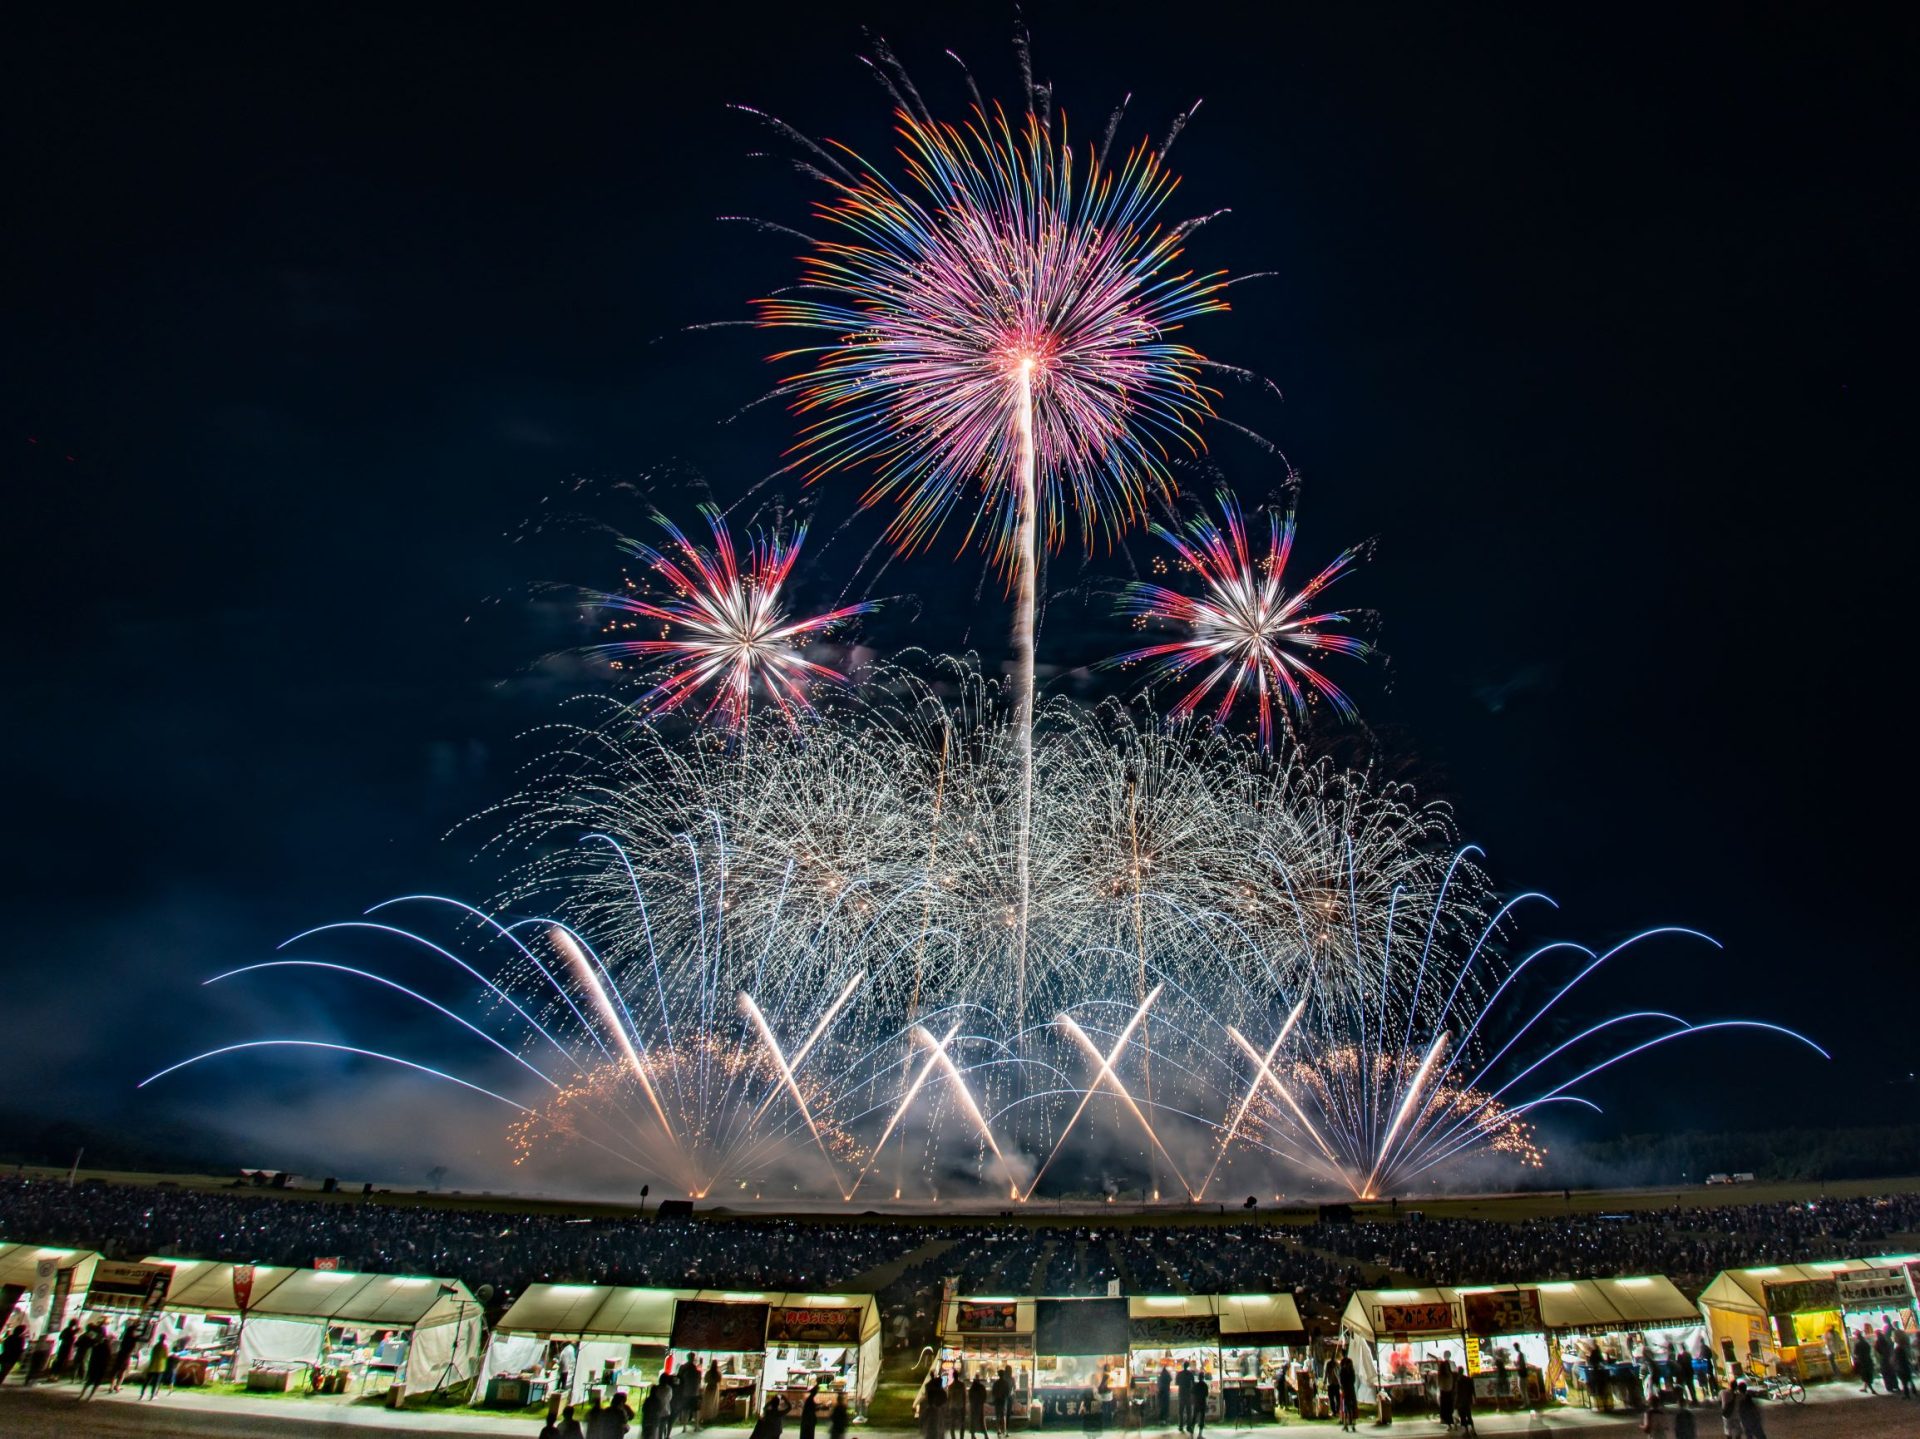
1874,1289
1080,1326
242,1287
827,1324
1800,1296
129,1286
972,1317
327,1263
1415,1319
1511,1311
1172,1331
41,1304
719,1327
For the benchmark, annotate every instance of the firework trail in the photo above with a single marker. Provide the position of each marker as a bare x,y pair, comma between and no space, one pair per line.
999,334
1245,632
723,624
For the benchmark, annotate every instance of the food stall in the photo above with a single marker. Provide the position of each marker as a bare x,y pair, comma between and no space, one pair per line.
1171,1331
568,1339
992,1332
1262,1341
206,1302
1396,1338
728,1328
1080,1356
1800,1318
1608,1340
829,1340
43,1284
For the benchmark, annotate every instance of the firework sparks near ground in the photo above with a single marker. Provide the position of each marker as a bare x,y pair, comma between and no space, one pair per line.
1245,632
999,333
723,625
788,955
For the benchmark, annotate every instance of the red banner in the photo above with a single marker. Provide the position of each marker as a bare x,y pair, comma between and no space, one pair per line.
1416,1319
242,1287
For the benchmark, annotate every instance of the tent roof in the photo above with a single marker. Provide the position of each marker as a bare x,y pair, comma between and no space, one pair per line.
398,1301
586,1310
1169,1306
1258,1314
1647,1299
866,1303
1744,1291
1564,1304
18,1263
1366,1302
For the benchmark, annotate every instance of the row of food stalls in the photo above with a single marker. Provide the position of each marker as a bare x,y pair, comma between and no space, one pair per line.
1582,1341
1802,1318
1066,1356
573,1339
268,1327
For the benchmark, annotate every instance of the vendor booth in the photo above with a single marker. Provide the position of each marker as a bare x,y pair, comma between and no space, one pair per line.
43,1284
1596,1342
826,1341
569,1339
1171,1332
1080,1349
991,1333
1799,1319
328,1330
1263,1347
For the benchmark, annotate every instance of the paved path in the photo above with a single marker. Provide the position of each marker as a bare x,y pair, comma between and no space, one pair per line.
1829,1413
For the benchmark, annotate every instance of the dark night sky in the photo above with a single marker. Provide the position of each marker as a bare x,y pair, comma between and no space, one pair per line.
1600,324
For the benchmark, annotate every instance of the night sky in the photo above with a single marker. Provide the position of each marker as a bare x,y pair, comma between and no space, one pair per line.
335,338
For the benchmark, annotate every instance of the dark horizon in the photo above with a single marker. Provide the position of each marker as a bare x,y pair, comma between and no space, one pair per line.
336,345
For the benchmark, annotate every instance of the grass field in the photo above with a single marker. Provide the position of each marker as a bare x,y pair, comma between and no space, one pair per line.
1508,1208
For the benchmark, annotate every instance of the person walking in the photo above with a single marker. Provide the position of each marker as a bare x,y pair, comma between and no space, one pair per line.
1683,1425
842,1417
99,1363
1903,1363
1751,1424
771,1421
123,1355
1349,1392
956,1410
1520,1379
13,1348
1183,1385
1863,1361
1463,1399
1883,1358
710,1394
63,1353
154,1370
570,1426
656,1410
686,1392
1443,1385
810,1413
1003,1401
1199,1403
1730,1410
1653,1419
933,1398
977,1406
1163,1390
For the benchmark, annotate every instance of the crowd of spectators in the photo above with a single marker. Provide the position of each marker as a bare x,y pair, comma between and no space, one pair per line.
908,1260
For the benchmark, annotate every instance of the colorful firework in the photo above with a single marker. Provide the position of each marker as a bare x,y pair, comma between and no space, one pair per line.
1000,314
1245,633
723,626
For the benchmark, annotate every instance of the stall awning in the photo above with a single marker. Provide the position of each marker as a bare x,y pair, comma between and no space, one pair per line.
20,1263
1647,1301
1381,1314
594,1311
1080,1326
1171,1321
206,1286
1775,1288
1250,1321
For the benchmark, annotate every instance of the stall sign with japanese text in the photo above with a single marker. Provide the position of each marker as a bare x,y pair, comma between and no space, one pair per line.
129,1286
1874,1288
1508,1311
1415,1319
972,1317
1172,1331
824,1325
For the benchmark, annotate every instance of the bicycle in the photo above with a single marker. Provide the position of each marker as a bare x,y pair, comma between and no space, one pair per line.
1768,1385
